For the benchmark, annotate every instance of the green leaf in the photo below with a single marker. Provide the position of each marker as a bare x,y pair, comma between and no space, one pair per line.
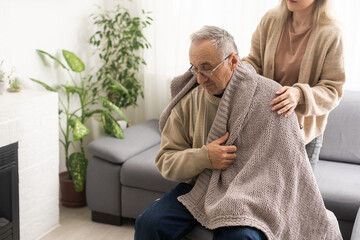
78,164
79,129
111,126
89,113
52,57
117,86
47,87
73,61
109,105
73,89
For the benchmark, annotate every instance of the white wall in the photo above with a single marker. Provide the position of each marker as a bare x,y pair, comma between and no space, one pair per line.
50,25
39,24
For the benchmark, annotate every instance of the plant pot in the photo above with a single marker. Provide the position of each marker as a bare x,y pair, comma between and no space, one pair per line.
14,90
70,198
2,87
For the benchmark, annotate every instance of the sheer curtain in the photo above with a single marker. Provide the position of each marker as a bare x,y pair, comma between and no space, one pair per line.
175,20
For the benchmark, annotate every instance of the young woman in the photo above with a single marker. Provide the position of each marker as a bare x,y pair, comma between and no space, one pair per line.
300,46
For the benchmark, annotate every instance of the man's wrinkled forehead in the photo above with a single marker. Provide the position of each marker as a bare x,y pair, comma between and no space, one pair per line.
203,53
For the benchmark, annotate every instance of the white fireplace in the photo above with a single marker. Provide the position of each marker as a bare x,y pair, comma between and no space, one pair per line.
30,118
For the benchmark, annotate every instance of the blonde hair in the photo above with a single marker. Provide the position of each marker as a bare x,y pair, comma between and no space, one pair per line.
322,13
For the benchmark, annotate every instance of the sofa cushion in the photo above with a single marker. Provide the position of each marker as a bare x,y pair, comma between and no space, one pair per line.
339,184
140,172
342,133
119,150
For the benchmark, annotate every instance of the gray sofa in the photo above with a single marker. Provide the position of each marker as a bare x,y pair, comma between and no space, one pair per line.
122,180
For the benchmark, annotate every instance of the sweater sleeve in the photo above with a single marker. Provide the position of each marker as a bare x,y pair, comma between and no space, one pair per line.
325,95
177,160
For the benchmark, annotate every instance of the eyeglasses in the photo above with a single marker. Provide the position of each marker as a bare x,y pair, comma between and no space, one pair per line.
206,73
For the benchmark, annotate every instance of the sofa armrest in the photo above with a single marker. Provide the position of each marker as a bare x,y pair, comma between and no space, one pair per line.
138,138
356,228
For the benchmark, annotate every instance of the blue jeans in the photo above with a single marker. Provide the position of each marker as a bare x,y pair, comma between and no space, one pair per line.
168,219
313,150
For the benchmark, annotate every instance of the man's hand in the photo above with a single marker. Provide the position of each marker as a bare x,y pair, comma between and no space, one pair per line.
221,157
287,101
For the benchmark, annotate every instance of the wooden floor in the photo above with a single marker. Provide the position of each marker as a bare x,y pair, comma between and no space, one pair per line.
75,223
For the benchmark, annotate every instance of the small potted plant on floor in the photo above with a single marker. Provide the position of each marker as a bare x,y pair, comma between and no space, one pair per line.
91,103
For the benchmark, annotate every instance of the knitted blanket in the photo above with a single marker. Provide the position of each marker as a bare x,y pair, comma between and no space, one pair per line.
270,185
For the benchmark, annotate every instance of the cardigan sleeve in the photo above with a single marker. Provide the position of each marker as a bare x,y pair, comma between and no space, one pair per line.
177,160
323,96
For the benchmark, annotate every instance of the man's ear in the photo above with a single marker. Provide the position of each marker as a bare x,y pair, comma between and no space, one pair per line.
234,60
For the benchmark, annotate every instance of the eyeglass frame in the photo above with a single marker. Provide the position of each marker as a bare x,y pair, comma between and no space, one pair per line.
205,72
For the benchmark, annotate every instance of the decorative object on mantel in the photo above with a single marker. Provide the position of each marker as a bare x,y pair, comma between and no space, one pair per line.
2,87
87,90
14,81
14,86
2,79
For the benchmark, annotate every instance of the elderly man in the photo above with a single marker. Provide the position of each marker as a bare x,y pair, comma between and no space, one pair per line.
243,168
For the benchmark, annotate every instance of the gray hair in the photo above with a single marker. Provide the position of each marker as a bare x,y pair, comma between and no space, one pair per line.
223,41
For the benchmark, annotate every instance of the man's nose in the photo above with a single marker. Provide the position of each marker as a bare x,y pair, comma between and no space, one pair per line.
201,78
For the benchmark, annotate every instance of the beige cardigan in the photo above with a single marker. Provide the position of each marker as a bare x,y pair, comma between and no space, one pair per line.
321,75
270,185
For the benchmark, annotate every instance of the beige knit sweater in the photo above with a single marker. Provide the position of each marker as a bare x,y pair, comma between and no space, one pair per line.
321,75
270,186
183,154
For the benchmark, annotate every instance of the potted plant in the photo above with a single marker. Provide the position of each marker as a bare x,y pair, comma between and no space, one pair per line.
2,79
87,91
14,85
118,42
15,81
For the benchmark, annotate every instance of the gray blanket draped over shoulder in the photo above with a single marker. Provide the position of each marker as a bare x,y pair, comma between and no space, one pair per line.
270,186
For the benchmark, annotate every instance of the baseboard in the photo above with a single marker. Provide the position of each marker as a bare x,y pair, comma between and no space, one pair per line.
106,218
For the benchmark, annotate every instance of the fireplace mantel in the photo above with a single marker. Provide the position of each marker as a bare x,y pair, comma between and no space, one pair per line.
30,118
